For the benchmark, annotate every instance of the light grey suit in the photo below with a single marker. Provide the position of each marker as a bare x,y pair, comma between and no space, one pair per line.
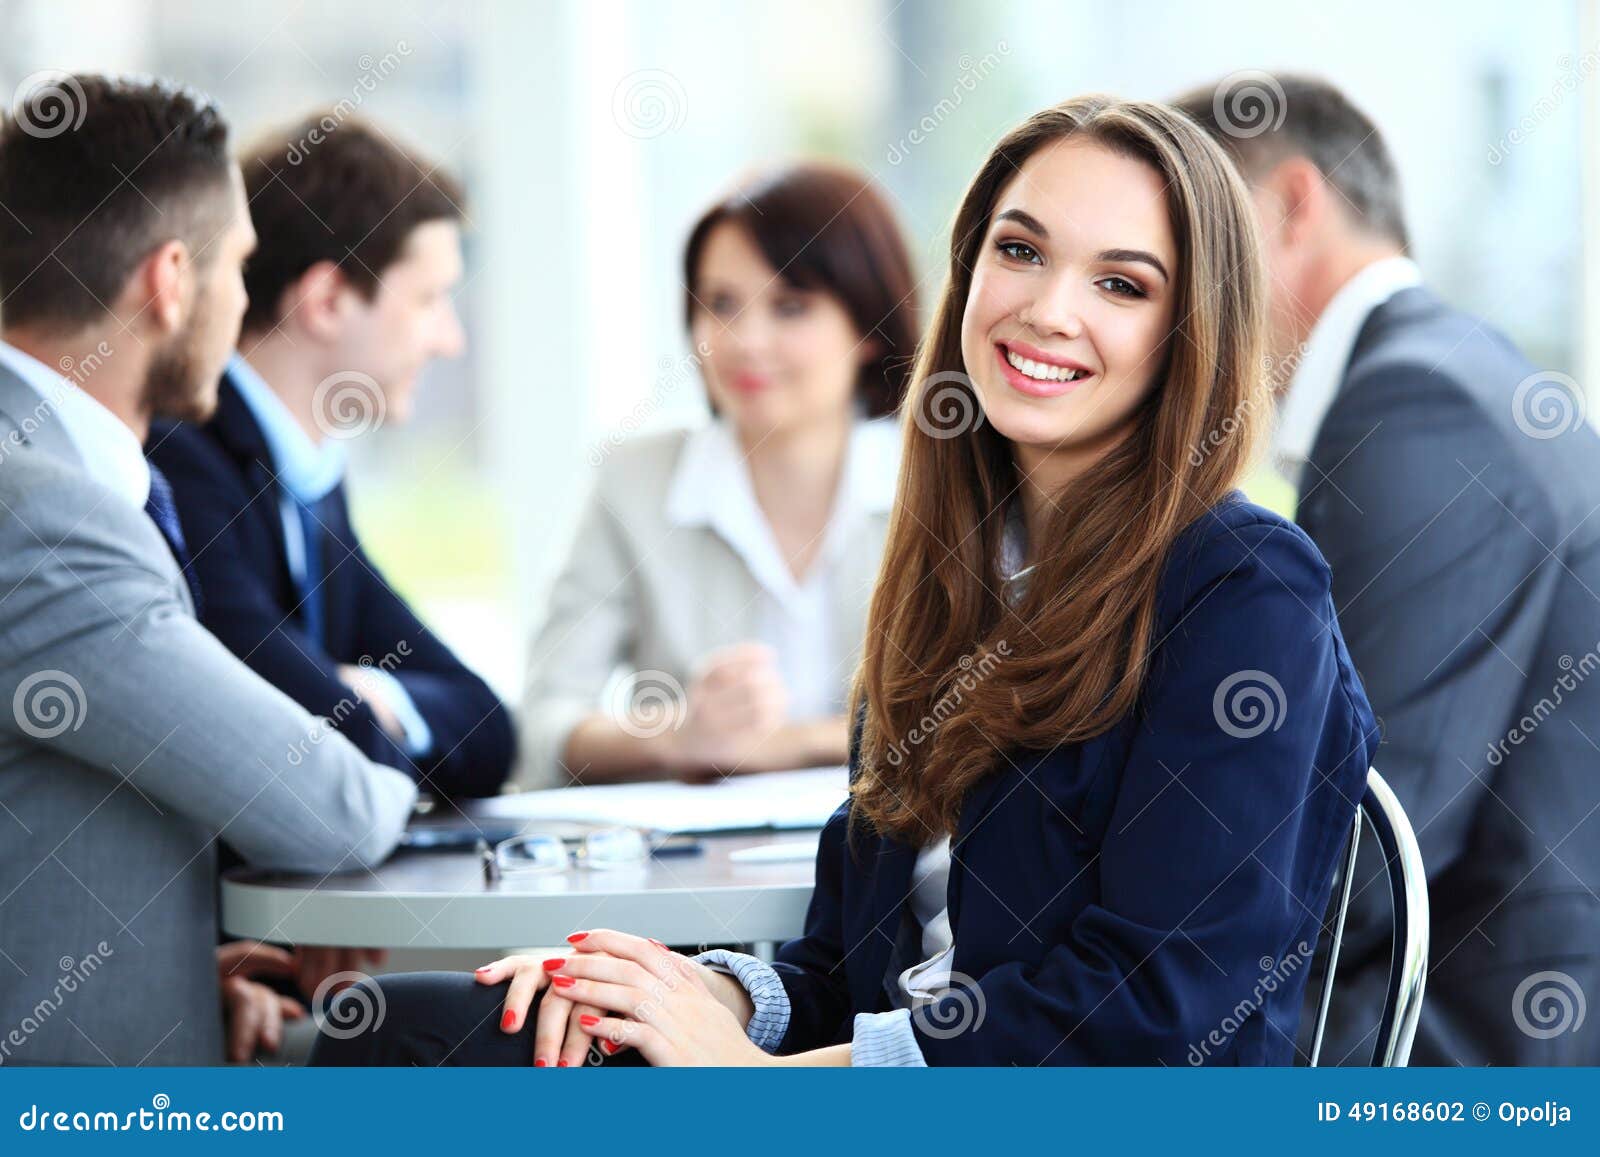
130,741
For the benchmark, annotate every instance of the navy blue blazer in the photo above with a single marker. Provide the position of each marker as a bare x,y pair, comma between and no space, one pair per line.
1152,895
228,503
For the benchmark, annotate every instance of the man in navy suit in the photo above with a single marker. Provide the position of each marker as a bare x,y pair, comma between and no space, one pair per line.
1452,487
349,299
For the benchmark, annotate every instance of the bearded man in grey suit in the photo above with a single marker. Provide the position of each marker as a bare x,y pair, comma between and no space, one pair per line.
131,740
1453,488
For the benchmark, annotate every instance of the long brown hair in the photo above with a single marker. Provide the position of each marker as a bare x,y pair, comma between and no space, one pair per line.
1075,646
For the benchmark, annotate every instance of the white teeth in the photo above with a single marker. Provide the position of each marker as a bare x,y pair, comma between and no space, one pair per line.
1042,372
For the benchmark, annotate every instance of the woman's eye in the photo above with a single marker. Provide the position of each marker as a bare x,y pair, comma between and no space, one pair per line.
1121,286
721,305
790,306
1019,251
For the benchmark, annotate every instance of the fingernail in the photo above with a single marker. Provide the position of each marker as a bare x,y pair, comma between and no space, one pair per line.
659,945
575,937
485,968
609,1047
509,1020
588,1020
539,1064
562,981
561,1064
552,965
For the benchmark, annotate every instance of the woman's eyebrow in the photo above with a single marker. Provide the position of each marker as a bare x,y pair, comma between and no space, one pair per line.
1138,255
1031,223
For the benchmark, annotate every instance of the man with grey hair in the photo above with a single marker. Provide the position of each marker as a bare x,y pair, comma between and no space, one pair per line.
1450,486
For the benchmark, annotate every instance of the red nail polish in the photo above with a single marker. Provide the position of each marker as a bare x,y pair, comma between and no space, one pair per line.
509,1020
562,981
561,1064
609,1046
575,937
539,1064
588,1020
552,965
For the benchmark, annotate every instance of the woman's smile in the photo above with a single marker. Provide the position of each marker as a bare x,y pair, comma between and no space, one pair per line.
1029,370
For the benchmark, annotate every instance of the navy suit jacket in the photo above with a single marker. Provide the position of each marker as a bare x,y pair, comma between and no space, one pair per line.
1152,895
228,502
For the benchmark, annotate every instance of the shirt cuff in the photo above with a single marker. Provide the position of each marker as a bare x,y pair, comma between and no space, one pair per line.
418,735
885,1040
770,1021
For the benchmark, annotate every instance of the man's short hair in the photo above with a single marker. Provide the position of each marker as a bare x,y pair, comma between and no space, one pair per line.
1263,119
334,189
96,172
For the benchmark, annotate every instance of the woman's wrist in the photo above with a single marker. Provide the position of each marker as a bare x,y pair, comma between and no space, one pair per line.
730,994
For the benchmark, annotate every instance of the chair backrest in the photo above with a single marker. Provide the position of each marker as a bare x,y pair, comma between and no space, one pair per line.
1408,961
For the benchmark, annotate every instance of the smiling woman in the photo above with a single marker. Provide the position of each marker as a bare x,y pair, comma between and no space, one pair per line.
1074,611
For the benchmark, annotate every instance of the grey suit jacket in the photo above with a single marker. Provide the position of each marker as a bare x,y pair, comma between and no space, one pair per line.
1456,497
130,741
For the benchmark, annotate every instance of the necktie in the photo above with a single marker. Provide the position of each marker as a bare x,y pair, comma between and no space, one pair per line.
163,511
311,522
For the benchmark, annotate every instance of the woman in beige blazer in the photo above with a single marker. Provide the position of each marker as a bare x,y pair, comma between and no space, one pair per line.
711,612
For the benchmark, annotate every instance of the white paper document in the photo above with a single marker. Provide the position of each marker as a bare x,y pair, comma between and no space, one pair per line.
779,799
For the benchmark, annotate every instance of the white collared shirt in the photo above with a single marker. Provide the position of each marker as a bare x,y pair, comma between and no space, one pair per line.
1326,354
711,486
111,452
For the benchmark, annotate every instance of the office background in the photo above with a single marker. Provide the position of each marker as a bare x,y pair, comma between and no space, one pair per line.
590,134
